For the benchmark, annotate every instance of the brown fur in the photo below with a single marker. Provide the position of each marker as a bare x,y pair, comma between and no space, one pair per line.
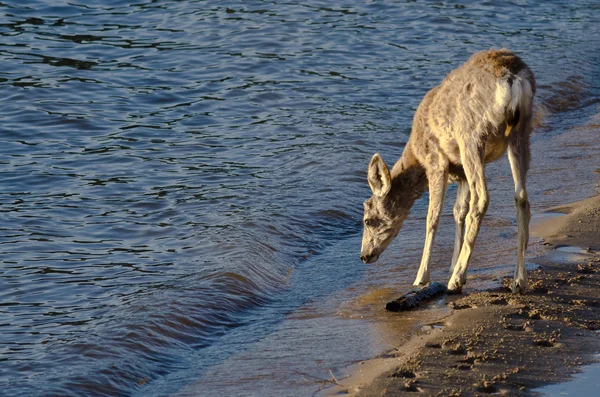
475,114
499,62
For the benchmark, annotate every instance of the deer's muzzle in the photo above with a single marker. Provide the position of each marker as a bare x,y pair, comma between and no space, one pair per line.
368,258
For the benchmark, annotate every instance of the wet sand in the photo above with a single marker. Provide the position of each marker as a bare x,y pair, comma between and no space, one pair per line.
497,342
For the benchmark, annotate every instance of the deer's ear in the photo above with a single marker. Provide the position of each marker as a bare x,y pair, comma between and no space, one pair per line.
379,176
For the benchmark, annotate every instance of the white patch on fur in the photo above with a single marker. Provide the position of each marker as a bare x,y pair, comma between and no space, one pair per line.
503,95
495,115
516,98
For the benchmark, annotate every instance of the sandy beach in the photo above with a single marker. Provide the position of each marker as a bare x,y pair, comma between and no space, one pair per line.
495,342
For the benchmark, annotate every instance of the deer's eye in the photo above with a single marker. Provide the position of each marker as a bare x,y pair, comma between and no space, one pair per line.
371,222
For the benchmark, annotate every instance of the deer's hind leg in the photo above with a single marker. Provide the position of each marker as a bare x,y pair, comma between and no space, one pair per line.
472,160
518,156
461,207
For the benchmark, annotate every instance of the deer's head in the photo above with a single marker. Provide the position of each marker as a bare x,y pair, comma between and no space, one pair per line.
384,213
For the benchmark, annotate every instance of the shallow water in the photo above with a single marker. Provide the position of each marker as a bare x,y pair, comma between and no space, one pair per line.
181,182
583,384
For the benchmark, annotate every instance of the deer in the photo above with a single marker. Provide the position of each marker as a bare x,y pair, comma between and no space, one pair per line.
480,110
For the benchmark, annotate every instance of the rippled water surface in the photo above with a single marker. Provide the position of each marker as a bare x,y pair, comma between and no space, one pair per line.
181,181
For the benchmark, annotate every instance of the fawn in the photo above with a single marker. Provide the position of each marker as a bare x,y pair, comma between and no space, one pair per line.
476,113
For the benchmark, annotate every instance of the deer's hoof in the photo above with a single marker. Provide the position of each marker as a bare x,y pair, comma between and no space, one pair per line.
454,287
455,291
420,283
519,288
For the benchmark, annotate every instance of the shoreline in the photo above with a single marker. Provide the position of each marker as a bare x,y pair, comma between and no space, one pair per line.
495,342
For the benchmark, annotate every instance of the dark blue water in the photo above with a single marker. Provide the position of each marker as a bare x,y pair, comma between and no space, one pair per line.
177,178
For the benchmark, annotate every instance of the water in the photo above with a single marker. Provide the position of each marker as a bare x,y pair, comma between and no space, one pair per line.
181,182
582,384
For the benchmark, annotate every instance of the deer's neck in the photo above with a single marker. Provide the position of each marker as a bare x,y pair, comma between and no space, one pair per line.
409,179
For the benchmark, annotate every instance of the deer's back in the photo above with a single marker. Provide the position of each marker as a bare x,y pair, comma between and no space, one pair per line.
468,107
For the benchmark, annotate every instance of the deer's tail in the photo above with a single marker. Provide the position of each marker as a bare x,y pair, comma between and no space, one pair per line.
518,102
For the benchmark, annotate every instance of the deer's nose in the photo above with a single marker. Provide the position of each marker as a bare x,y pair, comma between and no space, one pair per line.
368,258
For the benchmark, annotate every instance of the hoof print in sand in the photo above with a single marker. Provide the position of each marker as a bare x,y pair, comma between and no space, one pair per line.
487,387
455,349
404,373
410,379
545,342
411,386
499,301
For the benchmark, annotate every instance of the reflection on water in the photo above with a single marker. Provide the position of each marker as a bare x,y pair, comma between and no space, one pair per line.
164,166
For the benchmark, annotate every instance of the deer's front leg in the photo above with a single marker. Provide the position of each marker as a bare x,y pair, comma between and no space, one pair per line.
472,160
438,182
461,207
